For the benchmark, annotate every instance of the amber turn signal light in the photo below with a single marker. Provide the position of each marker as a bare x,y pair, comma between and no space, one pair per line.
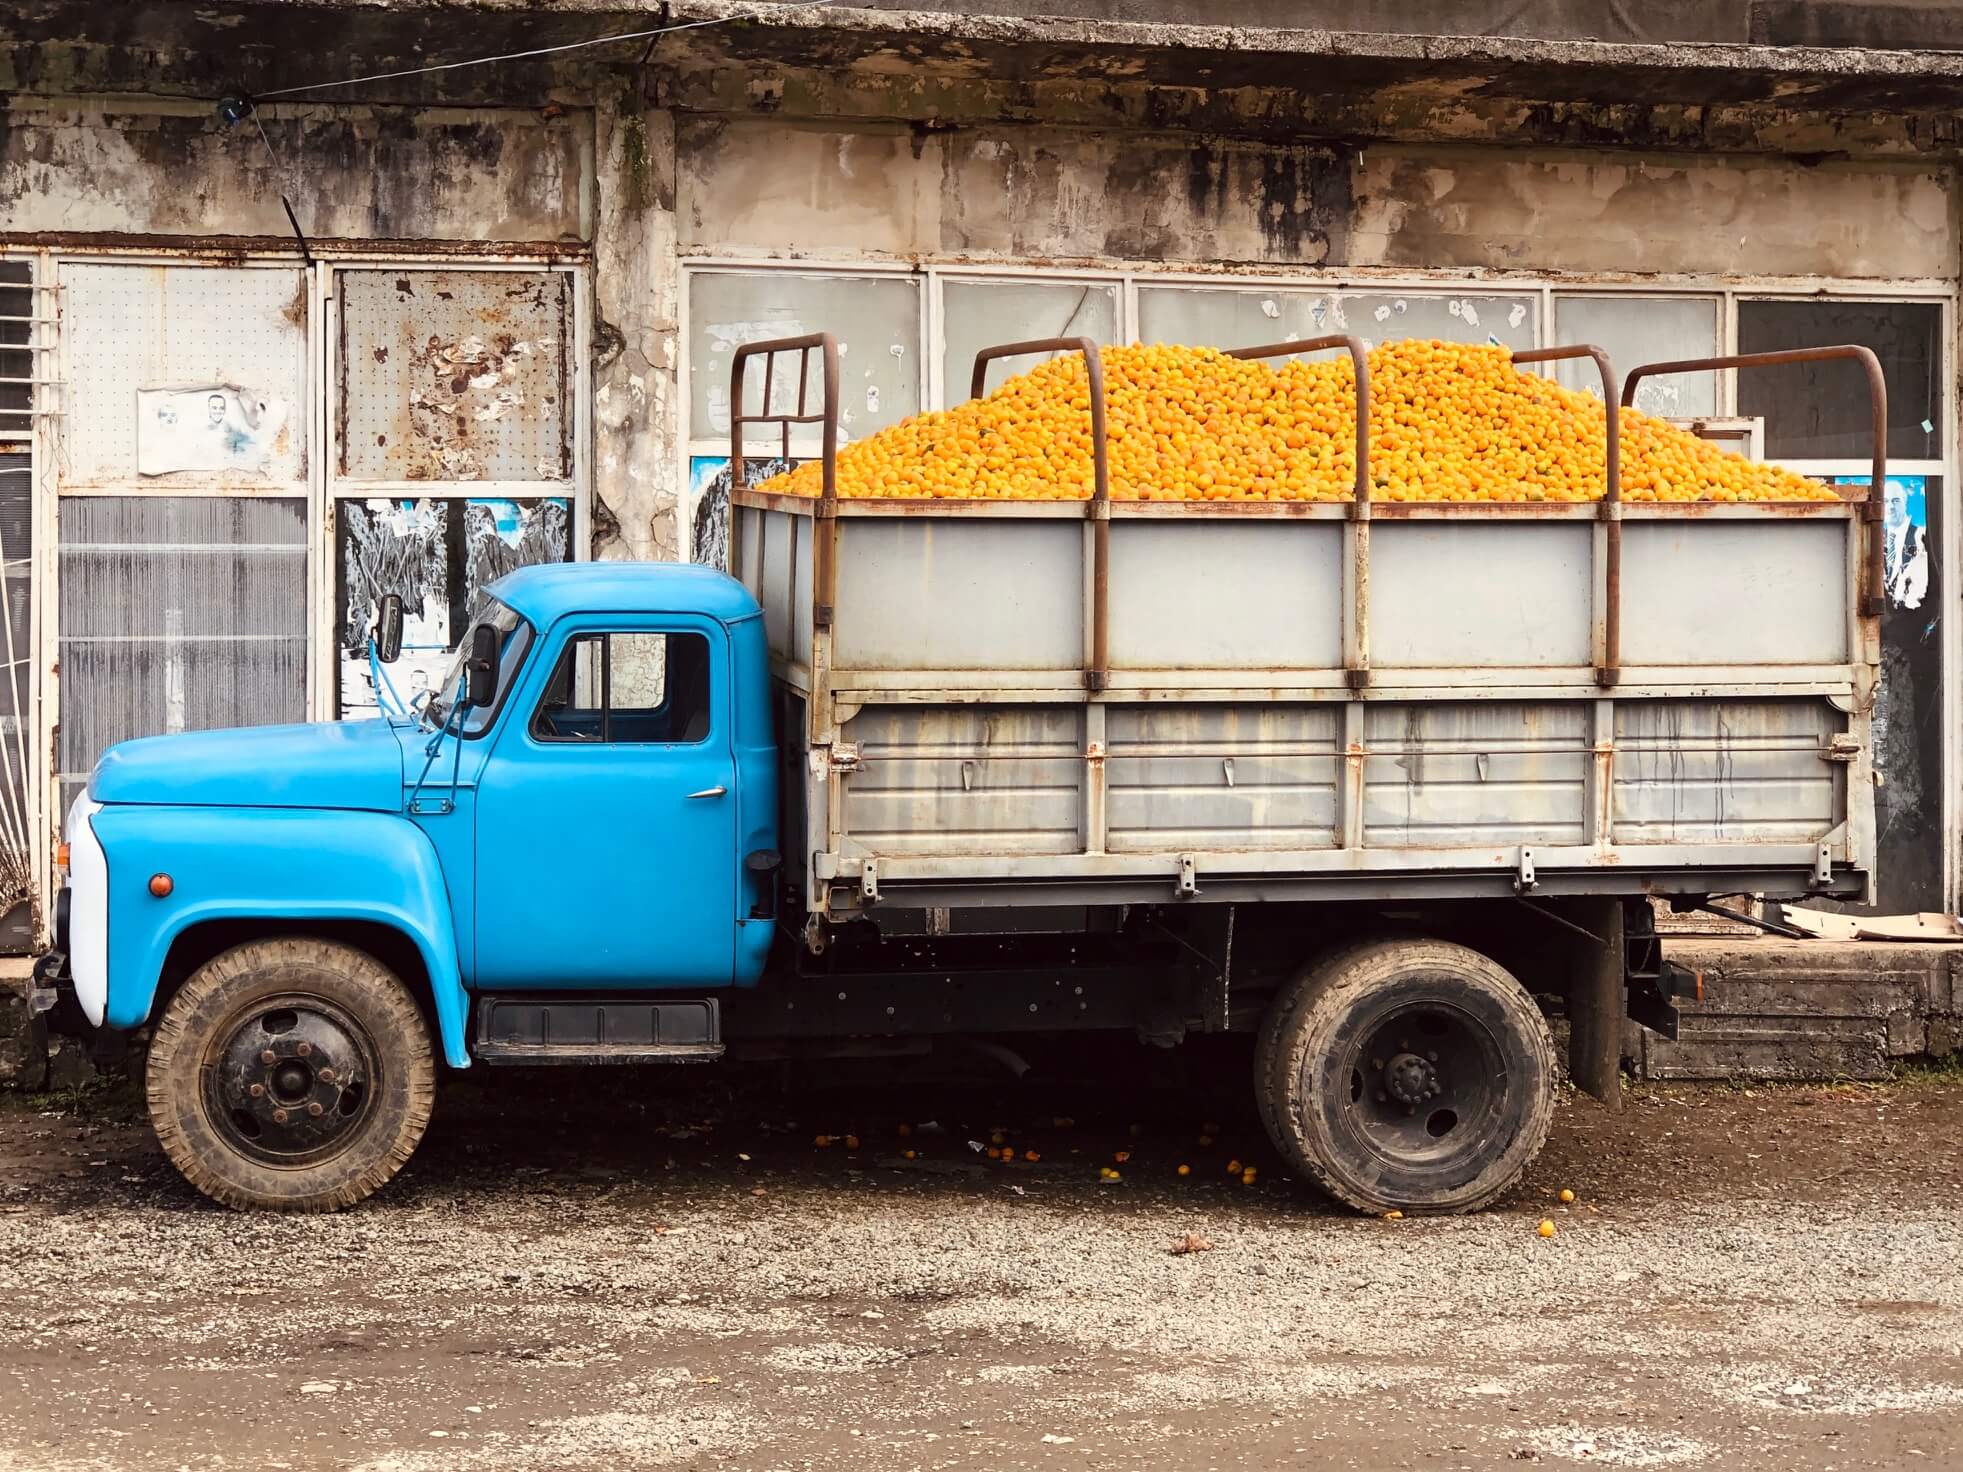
61,857
161,885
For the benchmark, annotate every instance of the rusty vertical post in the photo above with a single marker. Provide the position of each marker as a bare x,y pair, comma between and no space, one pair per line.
1356,533
1097,663
1608,653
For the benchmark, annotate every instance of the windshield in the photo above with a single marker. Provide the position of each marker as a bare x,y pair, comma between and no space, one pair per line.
514,638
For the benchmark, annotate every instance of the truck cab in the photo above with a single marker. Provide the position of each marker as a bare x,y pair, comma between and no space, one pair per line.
571,810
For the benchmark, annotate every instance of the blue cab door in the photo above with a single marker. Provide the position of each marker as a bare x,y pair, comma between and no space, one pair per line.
606,814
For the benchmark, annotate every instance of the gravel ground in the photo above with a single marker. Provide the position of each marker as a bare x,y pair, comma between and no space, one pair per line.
670,1272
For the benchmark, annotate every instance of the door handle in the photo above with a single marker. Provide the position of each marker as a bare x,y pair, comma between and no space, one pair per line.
717,791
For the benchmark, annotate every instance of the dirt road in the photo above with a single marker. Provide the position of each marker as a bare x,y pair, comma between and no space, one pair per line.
672,1273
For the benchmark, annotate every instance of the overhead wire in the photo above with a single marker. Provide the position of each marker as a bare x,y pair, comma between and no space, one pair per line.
648,34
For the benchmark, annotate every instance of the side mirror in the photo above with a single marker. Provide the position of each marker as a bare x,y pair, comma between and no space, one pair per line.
388,629
481,687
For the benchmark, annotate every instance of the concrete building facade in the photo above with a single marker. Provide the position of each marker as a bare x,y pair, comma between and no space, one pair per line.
407,323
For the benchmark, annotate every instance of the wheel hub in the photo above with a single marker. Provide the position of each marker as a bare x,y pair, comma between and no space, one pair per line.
1410,1079
291,1081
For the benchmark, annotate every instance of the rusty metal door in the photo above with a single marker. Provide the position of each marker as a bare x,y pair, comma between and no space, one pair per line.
453,434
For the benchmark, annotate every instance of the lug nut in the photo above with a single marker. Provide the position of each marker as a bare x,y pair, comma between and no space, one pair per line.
314,1108
269,1056
327,1075
305,1048
279,1116
257,1090
1432,1056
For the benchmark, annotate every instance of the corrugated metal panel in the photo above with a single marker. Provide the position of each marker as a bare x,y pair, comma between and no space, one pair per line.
1451,775
1195,777
178,614
131,327
1699,771
965,779
455,375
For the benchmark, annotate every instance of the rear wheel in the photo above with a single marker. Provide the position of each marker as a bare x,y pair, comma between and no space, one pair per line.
1411,1075
291,1075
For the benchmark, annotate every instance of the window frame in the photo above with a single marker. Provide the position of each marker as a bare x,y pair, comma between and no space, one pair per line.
605,634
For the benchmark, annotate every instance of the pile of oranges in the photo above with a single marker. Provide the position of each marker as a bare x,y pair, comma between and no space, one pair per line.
1448,422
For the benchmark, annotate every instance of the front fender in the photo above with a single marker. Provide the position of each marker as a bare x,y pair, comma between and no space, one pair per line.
271,864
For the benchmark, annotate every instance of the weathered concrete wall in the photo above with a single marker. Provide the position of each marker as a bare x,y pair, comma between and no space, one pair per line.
1623,212
76,166
1905,24
1809,1009
763,184
775,186
636,301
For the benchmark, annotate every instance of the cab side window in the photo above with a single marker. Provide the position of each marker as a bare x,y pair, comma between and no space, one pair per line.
629,687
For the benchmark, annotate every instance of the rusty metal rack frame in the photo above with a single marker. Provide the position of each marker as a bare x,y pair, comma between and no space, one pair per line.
1874,595
825,508
1360,510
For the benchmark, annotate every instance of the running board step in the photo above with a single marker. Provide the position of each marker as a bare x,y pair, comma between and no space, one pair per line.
598,1030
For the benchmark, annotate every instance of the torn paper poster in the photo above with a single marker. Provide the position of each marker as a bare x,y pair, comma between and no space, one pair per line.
218,427
1905,550
438,554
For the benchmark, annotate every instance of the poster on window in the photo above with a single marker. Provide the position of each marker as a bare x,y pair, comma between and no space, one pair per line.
1905,545
708,492
438,554
216,427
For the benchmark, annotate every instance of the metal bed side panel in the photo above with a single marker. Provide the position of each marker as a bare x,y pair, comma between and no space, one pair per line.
918,593
951,780
1470,774
1770,592
1480,594
969,783
1726,771
1181,777
1226,595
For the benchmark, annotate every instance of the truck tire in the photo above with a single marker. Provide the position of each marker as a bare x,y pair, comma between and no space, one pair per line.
1408,1075
290,1075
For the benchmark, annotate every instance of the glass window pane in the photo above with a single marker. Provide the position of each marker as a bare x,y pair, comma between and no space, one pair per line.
178,613
1507,321
875,318
1644,329
1819,411
1235,317
628,687
455,375
983,314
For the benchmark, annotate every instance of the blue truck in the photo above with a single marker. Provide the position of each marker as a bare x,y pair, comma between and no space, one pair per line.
1384,789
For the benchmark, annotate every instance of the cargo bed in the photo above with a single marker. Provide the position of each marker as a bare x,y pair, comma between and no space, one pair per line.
1095,701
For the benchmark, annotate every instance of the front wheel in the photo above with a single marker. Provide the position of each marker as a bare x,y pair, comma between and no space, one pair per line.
1408,1074
290,1075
